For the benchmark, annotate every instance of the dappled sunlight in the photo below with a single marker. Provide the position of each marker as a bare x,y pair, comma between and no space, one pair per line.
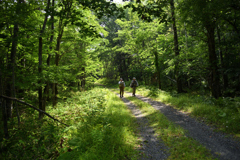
181,147
212,111
111,131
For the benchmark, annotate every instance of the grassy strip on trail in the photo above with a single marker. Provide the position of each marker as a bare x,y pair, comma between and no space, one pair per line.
101,127
104,131
181,147
223,113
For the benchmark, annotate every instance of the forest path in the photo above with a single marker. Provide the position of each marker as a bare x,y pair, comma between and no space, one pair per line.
222,146
151,147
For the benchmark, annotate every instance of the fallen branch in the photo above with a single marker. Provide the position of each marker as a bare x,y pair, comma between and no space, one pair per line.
39,110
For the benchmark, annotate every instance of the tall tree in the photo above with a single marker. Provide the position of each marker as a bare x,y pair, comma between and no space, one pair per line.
40,46
207,13
176,48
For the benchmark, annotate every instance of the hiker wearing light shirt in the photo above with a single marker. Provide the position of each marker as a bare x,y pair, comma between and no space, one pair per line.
121,87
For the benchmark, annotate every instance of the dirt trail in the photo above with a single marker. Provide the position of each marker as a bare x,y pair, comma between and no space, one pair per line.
151,147
220,146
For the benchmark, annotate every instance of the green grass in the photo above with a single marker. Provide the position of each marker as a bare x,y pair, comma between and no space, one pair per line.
106,134
101,127
181,147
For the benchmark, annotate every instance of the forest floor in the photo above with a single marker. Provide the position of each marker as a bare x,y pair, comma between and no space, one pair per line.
221,146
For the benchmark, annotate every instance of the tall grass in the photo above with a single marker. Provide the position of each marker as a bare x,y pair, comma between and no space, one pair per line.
105,132
101,127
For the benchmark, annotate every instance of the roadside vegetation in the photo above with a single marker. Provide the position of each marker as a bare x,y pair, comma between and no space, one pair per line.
100,127
222,113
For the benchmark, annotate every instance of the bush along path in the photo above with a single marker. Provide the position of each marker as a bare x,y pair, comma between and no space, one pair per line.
221,146
151,147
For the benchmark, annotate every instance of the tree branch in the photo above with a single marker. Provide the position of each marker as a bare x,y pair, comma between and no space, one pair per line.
39,110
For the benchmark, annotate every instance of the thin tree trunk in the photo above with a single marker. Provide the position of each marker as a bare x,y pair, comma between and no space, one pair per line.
10,87
158,69
83,82
57,56
176,50
224,76
186,36
3,106
4,113
40,97
47,87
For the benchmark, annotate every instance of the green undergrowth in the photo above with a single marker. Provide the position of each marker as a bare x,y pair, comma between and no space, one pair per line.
108,82
180,146
103,132
100,127
113,83
222,113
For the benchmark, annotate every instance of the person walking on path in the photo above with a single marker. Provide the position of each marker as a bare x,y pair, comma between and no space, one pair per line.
121,87
134,85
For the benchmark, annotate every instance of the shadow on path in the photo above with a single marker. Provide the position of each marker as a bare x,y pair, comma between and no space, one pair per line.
220,146
151,147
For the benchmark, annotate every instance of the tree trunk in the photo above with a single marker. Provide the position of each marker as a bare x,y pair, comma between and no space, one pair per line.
223,67
3,106
186,36
57,58
215,84
40,97
47,87
10,83
176,50
83,78
4,113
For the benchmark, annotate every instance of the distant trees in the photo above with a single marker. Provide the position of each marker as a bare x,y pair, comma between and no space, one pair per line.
195,48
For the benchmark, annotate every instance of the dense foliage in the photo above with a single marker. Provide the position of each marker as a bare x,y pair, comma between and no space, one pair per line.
206,35
48,47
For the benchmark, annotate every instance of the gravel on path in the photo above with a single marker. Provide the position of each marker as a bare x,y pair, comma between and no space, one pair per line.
151,147
222,147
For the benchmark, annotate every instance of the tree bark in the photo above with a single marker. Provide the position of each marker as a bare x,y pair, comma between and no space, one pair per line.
223,67
176,49
57,56
11,64
215,82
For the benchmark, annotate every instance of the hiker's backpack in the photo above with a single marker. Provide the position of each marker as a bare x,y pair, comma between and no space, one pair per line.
121,84
134,84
